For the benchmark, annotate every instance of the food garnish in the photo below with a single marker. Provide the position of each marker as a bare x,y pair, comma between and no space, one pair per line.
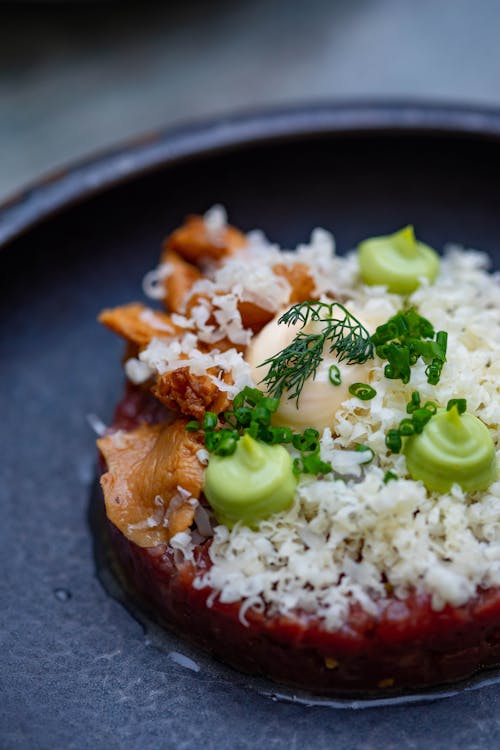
389,476
454,447
413,425
363,391
397,261
334,375
251,415
405,338
339,332
253,483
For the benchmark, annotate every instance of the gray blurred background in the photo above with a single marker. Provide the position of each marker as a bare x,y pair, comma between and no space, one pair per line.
78,77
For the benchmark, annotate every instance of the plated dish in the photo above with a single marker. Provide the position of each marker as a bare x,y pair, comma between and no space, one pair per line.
302,474
83,655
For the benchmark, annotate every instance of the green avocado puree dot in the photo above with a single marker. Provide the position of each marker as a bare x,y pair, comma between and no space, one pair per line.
256,481
397,261
452,448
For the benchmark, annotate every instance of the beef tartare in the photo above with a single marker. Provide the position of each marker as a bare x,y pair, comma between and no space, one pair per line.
302,475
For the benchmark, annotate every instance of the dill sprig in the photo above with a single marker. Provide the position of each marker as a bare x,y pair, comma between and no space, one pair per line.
342,333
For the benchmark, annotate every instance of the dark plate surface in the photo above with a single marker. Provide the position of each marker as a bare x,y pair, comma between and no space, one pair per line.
77,670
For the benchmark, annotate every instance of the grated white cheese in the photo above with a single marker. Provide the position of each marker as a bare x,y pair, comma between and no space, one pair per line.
152,283
183,546
229,320
155,519
153,319
136,371
96,424
223,308
251,280
215,221
203,456
343,462
343,540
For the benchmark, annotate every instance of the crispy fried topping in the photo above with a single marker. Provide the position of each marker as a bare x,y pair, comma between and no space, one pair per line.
180,280
138,324
253,316
192,395
300,280
194,242
152,472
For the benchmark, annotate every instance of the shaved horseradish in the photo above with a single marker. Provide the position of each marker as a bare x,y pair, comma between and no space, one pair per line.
322,401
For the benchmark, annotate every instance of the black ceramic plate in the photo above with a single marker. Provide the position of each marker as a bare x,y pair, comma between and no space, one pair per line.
78,671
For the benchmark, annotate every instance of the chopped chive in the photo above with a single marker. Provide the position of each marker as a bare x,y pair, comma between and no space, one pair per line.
414,403
406,337
305,442
388,476
192,425
312,464
363,391
430,406
229,418
209,420
211,441
393,441
420,418
251,395
238,401
271,404
310,432
253,429
243,416
406,427
442,341
280,435
262,415
399,363
433,373
334,375
460,403
226,446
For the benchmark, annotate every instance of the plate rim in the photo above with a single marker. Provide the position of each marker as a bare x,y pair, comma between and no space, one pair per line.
105,169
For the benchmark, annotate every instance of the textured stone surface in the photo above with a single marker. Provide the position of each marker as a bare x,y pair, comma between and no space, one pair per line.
77,671
79,77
